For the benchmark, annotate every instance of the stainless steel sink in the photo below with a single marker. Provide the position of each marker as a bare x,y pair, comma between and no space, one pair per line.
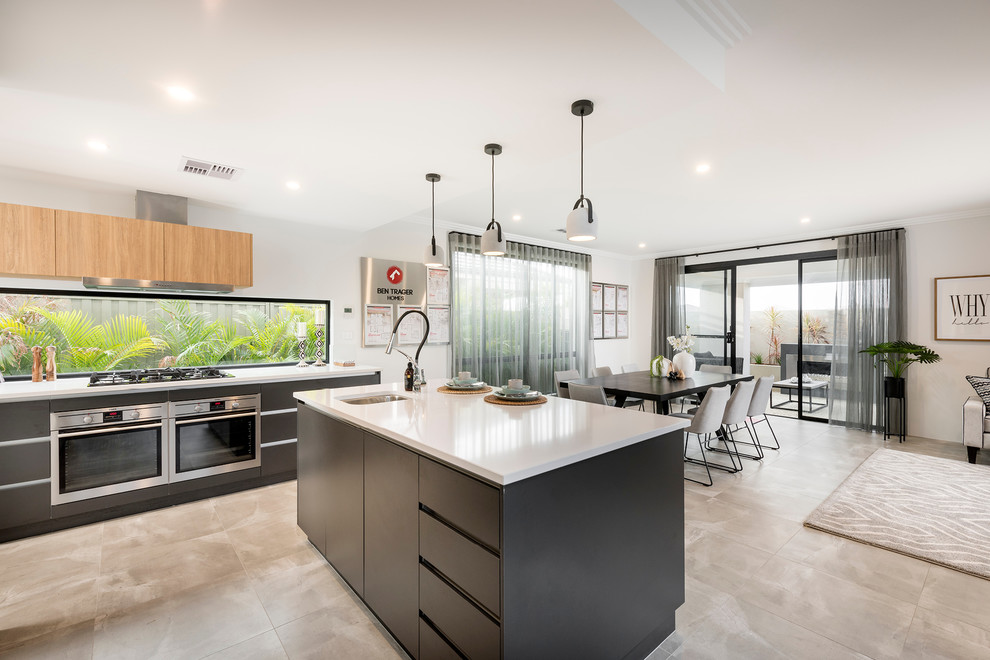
374,398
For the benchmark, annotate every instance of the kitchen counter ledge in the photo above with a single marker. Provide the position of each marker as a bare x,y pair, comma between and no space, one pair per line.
501,444
75,386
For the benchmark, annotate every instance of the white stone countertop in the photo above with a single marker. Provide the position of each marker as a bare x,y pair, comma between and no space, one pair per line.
501,444
75,385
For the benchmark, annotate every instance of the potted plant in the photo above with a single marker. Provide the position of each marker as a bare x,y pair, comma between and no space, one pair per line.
898,356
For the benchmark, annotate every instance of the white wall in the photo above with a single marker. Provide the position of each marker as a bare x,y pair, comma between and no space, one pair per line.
936,391
638,275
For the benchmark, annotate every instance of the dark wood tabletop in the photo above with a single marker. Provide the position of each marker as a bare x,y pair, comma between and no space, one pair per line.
644,386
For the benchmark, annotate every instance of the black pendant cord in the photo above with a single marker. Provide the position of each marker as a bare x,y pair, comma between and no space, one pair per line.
433,216
582,156
494,223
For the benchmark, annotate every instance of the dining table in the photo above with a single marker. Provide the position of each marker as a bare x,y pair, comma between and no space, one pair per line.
644,385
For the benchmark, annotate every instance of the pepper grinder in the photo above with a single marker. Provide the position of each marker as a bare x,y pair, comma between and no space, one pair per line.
50,368
36,365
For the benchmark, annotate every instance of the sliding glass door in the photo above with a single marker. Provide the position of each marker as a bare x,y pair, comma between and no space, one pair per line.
710,315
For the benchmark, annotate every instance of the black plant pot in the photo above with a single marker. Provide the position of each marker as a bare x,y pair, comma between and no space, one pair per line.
893,388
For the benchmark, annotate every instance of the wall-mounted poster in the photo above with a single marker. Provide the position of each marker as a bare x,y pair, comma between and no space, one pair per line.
596,297
621,325
962,308
377,324
609,325
621,298
412,327
609,295
596,325
439,324
437,286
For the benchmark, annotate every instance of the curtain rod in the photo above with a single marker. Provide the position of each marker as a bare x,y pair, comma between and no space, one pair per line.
767,245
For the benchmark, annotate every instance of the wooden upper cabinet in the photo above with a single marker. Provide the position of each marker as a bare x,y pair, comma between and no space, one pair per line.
27,240
88,245
198,254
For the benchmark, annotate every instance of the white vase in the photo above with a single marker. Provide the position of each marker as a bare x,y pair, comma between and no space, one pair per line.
684,362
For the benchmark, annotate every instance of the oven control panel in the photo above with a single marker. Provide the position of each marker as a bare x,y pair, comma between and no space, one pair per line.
247,403
107,416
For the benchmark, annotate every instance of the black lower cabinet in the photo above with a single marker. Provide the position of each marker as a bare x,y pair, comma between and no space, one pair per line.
391,538
330,491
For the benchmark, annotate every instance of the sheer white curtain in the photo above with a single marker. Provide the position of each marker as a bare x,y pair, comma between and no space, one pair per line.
524,315
869,309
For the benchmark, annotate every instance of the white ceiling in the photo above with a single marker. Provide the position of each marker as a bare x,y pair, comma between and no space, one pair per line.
851,113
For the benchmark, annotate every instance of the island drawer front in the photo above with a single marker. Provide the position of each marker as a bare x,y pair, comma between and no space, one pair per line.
477,636
23,419
434,647
466,503
465,563
25,460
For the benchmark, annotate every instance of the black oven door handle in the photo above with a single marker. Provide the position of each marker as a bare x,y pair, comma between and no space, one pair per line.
213,418
108,429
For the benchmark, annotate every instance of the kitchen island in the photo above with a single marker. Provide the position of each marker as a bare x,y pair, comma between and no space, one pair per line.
485,531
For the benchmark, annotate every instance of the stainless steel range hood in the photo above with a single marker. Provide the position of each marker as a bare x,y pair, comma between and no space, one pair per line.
154,285
159,208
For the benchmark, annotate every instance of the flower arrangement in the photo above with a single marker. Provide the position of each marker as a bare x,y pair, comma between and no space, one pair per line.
682,342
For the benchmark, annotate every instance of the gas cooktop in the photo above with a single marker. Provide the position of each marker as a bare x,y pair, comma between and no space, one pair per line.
167,375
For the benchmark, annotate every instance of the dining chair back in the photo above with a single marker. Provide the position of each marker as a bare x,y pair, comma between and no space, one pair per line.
708,417
631,367
603,371
715,368
562,376
738,405
589,393
758,412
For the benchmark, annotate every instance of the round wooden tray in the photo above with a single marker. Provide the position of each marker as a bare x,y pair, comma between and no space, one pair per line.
482,390
491,398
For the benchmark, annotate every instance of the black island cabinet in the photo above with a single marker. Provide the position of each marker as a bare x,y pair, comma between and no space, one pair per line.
581,561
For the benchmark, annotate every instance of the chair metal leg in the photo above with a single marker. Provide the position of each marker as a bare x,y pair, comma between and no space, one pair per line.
723,435
776,444
729,431
703,461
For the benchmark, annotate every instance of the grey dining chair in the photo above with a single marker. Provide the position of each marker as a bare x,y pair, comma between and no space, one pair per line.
631,367
734,417
631,402
589,393
562,376
758,411
706,420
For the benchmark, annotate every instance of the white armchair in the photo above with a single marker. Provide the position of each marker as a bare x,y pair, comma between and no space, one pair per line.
976,426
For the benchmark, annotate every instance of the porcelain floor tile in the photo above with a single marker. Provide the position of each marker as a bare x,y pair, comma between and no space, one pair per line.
70,643
265,646
299,591
70,604
720,562
957,595
342,630
190,624
934,636
176,523
859,618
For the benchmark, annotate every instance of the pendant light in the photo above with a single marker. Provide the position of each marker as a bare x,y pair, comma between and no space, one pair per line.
434,253
492,241
582,223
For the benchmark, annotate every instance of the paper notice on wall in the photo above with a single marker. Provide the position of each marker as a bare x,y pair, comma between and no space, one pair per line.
596,297
438,286
621,298
377,324
596,325
609,325
622,325
609,294
412,328
439,324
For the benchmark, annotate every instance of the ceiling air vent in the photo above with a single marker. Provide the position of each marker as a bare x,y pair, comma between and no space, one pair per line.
207,168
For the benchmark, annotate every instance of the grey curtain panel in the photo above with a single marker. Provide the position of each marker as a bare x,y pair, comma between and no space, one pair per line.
524,315
669,311
870,307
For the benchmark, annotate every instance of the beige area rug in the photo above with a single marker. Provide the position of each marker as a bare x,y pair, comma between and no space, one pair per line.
934,509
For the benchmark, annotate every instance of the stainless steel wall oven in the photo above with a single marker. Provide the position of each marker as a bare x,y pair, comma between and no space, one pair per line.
103,451
213,436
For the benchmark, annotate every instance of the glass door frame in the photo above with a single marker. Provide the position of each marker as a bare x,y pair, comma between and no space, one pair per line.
728,310
729,269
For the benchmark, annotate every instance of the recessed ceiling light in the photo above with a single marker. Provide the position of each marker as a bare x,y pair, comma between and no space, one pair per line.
642,245
292,185
805,221
97,145
703,168
180,94
517,217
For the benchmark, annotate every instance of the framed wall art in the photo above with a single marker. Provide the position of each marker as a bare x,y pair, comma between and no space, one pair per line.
962,308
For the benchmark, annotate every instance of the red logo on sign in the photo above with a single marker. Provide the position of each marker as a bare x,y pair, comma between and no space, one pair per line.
394,274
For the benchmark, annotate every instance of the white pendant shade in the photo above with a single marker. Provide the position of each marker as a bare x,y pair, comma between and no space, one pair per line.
578,227
431,258
490,243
